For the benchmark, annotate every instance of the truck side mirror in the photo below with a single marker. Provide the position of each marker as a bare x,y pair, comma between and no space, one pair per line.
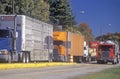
16,35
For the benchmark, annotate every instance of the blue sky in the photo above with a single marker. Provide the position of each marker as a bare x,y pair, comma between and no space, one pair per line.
102,16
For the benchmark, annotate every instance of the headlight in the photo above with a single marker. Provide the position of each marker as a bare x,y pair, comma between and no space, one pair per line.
0,52
4,52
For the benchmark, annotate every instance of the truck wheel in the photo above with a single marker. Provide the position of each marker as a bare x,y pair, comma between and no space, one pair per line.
99,62
23,58
89,59
9,58
118,59
27,57
114,61
80,59
105,62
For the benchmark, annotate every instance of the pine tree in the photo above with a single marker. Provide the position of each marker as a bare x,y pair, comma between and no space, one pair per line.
5,6
41,10
24,7
61,13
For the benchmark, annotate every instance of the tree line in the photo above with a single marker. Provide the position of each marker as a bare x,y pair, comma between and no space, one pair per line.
55,12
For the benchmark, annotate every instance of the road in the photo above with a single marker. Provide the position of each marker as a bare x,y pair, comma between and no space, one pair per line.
58,72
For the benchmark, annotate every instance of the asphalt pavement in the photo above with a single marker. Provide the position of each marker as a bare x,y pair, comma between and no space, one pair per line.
57,72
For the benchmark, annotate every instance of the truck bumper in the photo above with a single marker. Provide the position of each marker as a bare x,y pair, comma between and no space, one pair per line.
106,60
3,58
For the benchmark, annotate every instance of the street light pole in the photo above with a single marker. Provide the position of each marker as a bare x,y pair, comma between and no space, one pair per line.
48,45
13,7
15,40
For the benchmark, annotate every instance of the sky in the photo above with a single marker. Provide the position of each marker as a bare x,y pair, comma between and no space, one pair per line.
102,16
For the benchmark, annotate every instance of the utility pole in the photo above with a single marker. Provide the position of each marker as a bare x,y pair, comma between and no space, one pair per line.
14,29
13,7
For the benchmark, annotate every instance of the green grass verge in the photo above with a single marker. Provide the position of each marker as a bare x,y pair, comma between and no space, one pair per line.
32,65
113,73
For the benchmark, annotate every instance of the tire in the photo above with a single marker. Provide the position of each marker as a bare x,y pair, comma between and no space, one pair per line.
9,58
89,59
114,61
118,60
23,58
20,57
80,59
26,57
84,59
105,62
99,62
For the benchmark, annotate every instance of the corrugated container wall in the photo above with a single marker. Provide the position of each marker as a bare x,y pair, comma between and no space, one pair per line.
77,44
38,35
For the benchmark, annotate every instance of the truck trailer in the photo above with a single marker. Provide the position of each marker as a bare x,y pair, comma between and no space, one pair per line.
68,46
108,51
93,48
25,39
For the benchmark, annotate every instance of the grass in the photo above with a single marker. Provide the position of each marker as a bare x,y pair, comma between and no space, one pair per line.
113,73
32,65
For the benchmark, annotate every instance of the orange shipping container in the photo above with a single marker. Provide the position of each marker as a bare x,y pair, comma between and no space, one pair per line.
77,44
72,44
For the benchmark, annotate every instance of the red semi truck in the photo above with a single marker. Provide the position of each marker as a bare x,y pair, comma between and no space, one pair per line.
108,51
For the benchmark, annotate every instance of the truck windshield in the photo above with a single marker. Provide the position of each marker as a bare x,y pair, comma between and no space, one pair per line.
4,33
59,43
105,48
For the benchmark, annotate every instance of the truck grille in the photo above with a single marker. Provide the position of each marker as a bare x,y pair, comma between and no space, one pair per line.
105,54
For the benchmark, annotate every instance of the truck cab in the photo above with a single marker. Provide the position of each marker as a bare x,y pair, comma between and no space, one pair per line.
25,39
6,44
59,50
86,52
107,53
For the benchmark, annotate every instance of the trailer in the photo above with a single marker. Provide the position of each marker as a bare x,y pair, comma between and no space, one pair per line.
93,48
108,51
25,39
68,46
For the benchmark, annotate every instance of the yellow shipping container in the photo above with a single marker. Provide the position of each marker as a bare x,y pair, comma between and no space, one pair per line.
68,43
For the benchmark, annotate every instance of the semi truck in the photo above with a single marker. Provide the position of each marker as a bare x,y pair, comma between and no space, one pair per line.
108,51
25,39
86,52
93,47
68,46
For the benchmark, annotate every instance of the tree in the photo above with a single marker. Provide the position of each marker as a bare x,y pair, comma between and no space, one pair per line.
41,10
61,13
34,8
24,7
86,31
5,6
